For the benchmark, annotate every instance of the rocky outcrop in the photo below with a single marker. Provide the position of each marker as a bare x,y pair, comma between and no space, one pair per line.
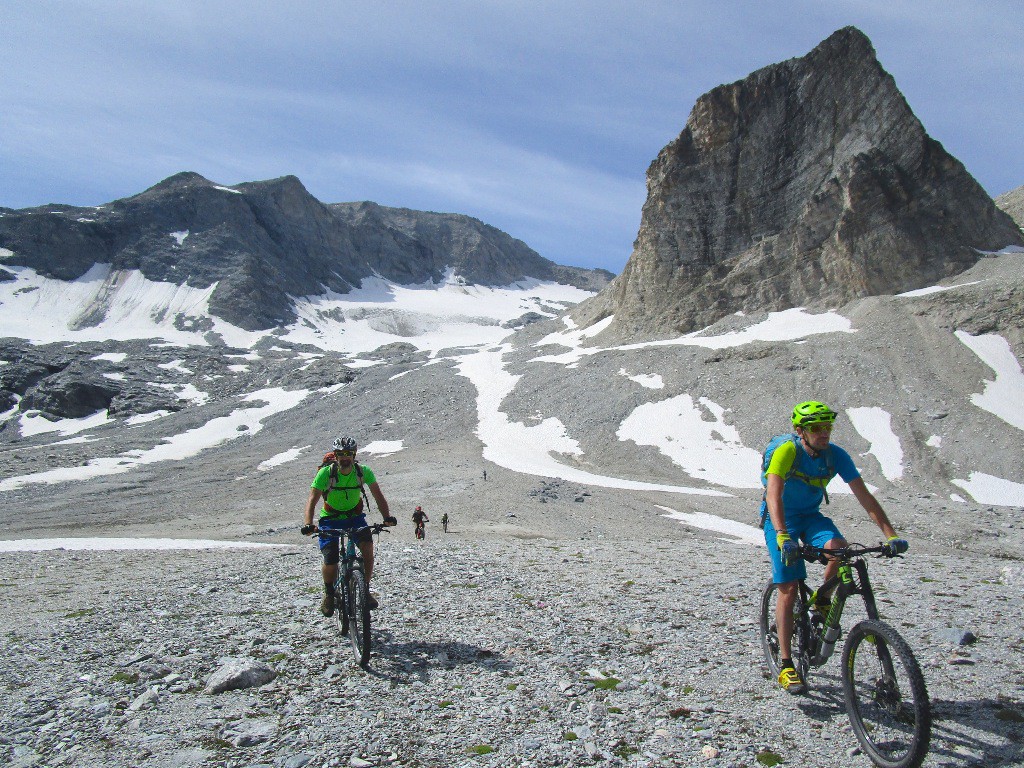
265,242
812,183
420,246
72,393
1013,203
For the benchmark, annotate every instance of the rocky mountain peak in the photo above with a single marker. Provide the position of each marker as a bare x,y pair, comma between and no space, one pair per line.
177,182
809,183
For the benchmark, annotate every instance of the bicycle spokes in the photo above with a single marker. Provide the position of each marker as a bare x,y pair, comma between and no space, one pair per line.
886,696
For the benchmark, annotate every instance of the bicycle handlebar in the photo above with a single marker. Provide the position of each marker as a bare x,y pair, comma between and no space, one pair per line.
819,555
337,533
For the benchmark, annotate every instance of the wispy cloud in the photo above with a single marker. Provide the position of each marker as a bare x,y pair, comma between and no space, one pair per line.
538,117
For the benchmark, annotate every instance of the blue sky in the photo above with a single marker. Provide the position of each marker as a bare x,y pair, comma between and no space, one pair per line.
537,117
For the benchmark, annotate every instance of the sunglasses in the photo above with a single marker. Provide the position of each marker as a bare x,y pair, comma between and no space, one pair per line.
348,454
818,428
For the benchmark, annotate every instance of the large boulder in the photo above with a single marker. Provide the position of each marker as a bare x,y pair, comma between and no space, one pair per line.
809,183
71,394
238,673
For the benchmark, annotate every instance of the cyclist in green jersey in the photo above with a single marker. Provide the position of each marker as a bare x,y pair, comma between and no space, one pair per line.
343,509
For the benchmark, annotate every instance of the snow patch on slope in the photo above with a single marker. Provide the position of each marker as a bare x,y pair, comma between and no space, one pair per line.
1003,395
694,436
243,421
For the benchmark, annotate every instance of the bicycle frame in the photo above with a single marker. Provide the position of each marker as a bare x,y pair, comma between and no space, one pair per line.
351,558
846,585
884,691
351,590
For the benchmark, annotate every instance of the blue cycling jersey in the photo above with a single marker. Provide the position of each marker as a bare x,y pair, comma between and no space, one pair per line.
807,476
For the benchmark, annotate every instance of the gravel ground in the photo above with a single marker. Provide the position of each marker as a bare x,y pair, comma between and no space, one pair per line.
492,648
557,625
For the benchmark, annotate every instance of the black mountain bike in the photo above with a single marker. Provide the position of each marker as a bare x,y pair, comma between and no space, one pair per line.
883,688
351,593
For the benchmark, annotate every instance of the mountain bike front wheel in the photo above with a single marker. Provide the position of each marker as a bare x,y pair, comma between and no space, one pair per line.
359,616
769,633
341,602
885,695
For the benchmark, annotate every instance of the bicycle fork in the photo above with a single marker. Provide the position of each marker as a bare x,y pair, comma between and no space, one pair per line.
344,596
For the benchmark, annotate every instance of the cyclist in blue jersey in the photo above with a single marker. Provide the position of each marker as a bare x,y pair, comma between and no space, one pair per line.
795,480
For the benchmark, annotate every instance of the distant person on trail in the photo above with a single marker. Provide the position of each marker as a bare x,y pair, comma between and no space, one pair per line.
419,518
343,510
444,522
795,471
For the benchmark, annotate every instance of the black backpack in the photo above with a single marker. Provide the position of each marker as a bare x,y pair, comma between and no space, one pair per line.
332,462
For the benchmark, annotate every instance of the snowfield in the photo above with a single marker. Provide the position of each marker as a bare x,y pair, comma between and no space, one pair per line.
470,324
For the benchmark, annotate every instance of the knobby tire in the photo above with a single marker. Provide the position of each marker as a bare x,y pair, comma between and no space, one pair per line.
885,696
359,616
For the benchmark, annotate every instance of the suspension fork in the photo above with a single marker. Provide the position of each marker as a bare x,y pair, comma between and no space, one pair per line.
871,608
344,569
865,590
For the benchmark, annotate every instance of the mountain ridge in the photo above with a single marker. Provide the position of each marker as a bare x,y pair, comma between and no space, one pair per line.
264,243
1012,203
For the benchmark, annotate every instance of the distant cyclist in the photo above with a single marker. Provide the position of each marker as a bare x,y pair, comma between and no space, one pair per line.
419,519
444,522
340,484
798,471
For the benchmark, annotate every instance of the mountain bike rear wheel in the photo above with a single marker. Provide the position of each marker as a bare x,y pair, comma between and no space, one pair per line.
885,695
359,616
770,635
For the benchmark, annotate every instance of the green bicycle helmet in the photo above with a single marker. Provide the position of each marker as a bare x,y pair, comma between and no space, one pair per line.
812,412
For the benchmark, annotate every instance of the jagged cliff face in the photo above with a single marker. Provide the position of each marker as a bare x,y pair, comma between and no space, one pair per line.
266,242
809,183
1013,203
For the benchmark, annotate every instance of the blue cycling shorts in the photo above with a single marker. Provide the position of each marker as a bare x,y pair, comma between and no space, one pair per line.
329,544
810,528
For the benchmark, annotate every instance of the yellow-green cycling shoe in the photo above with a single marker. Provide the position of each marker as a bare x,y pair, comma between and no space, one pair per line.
790,681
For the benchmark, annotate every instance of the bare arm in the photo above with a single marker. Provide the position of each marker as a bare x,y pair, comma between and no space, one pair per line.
872,507
774,499
314,497
378,496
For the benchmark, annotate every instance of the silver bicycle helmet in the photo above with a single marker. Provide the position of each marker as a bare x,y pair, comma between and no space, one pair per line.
345,444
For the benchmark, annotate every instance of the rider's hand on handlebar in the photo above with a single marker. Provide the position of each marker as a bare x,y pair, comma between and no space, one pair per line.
307,529
789,549
894,545
390,520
